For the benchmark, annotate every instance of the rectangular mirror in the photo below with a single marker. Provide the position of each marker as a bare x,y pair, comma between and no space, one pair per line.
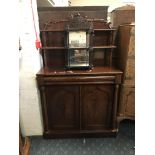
77,39
78,58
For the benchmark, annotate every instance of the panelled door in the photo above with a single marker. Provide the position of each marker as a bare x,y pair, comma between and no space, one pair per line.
96,101
61,103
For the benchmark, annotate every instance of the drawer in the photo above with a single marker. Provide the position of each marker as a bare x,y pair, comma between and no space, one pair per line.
79,80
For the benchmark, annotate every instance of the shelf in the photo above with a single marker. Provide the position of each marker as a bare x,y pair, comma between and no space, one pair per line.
104,47
79,48
62,30
105,29
54,30
53,48
57,48
63,48
93,71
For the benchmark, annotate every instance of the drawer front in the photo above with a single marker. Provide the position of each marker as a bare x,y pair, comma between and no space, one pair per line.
79,80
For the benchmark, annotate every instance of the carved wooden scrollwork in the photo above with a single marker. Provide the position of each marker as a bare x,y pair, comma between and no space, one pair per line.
78,22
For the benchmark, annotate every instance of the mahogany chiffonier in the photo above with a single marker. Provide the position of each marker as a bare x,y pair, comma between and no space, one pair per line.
77,101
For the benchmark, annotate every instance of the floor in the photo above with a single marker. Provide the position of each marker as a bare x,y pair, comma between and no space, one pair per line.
123,144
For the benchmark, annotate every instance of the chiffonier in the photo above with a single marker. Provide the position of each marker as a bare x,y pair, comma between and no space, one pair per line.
78,84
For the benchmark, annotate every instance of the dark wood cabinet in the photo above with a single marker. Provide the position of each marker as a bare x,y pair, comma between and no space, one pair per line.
77,102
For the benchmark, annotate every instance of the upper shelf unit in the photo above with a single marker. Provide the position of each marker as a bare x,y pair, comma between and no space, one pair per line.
65,48
61,30
100,38
53,36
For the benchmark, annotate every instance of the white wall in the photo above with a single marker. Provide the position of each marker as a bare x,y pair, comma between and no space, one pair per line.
111,3
29,104
61,2
30,114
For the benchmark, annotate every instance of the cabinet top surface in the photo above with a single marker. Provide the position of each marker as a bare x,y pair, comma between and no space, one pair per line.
93,71
74,8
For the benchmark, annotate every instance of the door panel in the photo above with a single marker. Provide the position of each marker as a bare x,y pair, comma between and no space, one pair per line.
97,106
62,104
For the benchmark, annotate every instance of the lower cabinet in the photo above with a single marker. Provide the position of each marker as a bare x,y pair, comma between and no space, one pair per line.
79,110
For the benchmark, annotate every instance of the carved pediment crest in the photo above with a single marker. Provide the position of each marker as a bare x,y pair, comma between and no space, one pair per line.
78,22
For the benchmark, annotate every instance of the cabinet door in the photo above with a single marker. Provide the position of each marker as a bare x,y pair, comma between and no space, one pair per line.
61,107
97,101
